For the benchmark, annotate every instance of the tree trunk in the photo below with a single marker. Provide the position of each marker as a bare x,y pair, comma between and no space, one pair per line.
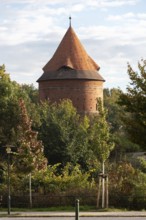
107,196
103,186
30,191
98,193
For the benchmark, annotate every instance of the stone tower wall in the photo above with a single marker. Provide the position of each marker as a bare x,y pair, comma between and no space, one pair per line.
82,93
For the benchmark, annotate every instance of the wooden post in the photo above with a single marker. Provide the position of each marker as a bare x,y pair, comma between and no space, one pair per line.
103,186
30,191
98,193
107,195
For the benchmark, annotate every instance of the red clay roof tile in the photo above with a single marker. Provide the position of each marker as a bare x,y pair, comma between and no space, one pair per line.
72,54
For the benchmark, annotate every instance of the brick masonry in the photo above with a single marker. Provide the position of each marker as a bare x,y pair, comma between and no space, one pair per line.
82,93
72,74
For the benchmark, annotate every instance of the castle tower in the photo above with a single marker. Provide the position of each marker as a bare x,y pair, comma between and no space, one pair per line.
72,74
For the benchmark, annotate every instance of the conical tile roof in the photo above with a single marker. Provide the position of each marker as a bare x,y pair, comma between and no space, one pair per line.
72,54
71,61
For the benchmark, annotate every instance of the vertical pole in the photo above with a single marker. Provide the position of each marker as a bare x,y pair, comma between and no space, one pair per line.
107,196
77,210
103,186
99,189
30,192
9,192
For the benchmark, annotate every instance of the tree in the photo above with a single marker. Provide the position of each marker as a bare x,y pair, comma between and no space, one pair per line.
134,102
117,128
115,111
80,150
101,143
101,140
30,92
64,134
127,184
29,148
8,108
70,180
10,92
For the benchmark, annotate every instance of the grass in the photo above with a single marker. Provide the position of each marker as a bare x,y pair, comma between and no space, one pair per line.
64,208
55,209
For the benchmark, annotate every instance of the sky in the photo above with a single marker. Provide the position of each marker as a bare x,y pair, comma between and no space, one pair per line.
113,32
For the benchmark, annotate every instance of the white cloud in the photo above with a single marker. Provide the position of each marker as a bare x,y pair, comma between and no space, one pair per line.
128,17
117,34
121,17
89,3
32,29
110,3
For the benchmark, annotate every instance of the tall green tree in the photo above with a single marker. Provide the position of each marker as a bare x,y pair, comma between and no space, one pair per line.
58,122
30,93
10,92
134,102
101,140
8,108
114,110
118,130
102,145
30,150
64,134
80,150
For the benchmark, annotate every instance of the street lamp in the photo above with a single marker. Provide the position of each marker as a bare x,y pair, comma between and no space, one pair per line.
8,150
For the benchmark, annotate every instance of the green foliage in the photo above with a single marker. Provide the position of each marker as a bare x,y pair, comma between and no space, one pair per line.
29,149
142,164
3,175
74,145
30,96
134,102
10,92
57,126
8,108
64,134
115,111
101,141
80,150
118,130
127,186
122,178
29,93
70,178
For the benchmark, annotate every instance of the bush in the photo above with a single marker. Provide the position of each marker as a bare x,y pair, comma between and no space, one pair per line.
127,188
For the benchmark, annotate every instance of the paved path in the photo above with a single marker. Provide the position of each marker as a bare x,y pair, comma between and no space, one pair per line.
73,218
72,214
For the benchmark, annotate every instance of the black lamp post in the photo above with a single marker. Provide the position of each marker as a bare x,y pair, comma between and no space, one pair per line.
9,193
8,150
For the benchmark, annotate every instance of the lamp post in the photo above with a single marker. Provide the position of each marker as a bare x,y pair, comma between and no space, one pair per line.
8,150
